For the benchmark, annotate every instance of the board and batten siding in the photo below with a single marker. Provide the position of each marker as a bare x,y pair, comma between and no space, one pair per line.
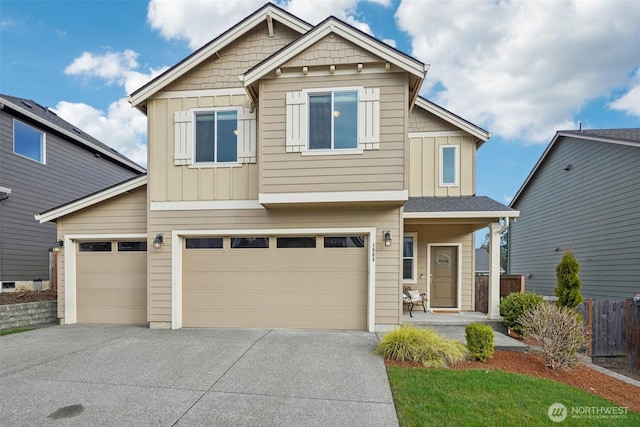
593,208
70,172
446,234
424,166
378,169
170,182
124,214
388,261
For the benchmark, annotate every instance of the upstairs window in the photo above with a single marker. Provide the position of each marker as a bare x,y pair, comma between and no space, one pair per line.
449,165
333,121
216,137
28,141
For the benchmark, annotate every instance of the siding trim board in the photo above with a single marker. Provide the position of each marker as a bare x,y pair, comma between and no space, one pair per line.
206,205
176,255
334,197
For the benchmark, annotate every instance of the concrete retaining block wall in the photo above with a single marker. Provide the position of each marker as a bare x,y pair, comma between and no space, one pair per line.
28,314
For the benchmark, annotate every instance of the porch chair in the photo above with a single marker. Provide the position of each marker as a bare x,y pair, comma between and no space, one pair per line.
412,298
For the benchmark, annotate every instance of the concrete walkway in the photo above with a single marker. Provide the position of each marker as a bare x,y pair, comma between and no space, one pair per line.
123,375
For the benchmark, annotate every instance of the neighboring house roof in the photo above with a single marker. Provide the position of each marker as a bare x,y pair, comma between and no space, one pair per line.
333,25
482,260
267,12
92,199
456,207
481,134
628,137
51,121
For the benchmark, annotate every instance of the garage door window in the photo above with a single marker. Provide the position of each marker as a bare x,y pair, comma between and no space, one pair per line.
249,242
344,242
204,243
95,247
132,246
295,242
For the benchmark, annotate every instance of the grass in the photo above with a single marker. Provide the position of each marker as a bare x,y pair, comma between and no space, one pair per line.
442,397
15,331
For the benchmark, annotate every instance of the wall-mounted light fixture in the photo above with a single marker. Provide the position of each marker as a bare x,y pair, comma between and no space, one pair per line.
569,167
557,249
529,276
158,241
387,238
57,246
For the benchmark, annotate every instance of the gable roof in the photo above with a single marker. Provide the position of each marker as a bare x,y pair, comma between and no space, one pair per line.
91,199
51,121
333,25
628,137
446,115
267,12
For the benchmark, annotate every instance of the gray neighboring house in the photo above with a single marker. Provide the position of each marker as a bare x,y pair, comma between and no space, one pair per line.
584,194
44,162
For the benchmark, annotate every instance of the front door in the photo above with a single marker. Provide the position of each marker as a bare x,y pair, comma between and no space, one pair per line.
444,277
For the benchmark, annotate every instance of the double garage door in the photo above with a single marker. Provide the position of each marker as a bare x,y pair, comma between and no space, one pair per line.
308,282
111,282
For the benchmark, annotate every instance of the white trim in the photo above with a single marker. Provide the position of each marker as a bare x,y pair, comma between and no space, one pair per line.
331,152
330,26
463,214
438,134
5,190
456,165
199,56
459,274
176,253
91,199
70,283
43,147
172,94
103,151
414,273
205,205
213,165
335,196
459,122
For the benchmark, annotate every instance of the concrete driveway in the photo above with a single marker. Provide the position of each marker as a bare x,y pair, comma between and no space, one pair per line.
127,375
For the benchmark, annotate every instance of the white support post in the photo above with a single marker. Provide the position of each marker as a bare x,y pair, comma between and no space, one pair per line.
494,271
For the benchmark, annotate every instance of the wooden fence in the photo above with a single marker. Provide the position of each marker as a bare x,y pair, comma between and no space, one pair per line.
614,325
508,284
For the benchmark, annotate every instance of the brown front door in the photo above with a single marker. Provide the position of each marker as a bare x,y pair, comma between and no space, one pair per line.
444,276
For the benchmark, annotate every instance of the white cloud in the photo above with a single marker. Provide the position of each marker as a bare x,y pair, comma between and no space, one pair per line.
390,42
122,128
629,102
523,69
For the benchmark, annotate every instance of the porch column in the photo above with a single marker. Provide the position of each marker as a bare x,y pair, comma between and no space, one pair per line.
494,271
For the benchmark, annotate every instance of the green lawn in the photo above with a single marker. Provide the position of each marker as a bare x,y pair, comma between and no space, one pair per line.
15,331
442,397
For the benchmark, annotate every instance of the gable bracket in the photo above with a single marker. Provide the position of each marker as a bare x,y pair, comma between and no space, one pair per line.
270,24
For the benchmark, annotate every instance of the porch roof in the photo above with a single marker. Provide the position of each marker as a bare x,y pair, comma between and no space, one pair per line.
457,207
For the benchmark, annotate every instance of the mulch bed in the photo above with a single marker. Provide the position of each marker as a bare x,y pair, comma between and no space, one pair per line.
22,297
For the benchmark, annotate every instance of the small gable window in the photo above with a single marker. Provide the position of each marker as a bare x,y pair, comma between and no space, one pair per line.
449,165
28,141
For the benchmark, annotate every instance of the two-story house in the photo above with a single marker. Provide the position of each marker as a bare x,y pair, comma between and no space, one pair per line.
295,180
44,162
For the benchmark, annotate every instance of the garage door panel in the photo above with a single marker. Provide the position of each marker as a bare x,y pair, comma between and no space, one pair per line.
310,288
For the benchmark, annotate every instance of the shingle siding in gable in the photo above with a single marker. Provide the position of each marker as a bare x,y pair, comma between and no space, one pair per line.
332,50
593,208
70,172
422,121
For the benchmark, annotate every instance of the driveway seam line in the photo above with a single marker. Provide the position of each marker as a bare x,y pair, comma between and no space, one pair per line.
220,377
328,399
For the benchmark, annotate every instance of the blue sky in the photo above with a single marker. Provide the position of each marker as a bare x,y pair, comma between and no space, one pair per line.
521,70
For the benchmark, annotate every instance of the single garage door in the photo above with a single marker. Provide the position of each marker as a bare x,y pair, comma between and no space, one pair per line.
111,282
306,282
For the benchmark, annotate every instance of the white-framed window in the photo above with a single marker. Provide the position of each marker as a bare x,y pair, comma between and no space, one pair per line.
29,142
449,165
409,258
342,120
215,136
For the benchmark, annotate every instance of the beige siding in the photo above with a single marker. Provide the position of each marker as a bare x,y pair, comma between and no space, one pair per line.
332,50
183,183
446,234
236,59
423,121
382,169
424,166
387,303
123,214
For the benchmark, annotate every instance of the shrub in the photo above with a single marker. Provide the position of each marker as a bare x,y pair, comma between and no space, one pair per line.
514,305
421,345
568,282
559,332
479,341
